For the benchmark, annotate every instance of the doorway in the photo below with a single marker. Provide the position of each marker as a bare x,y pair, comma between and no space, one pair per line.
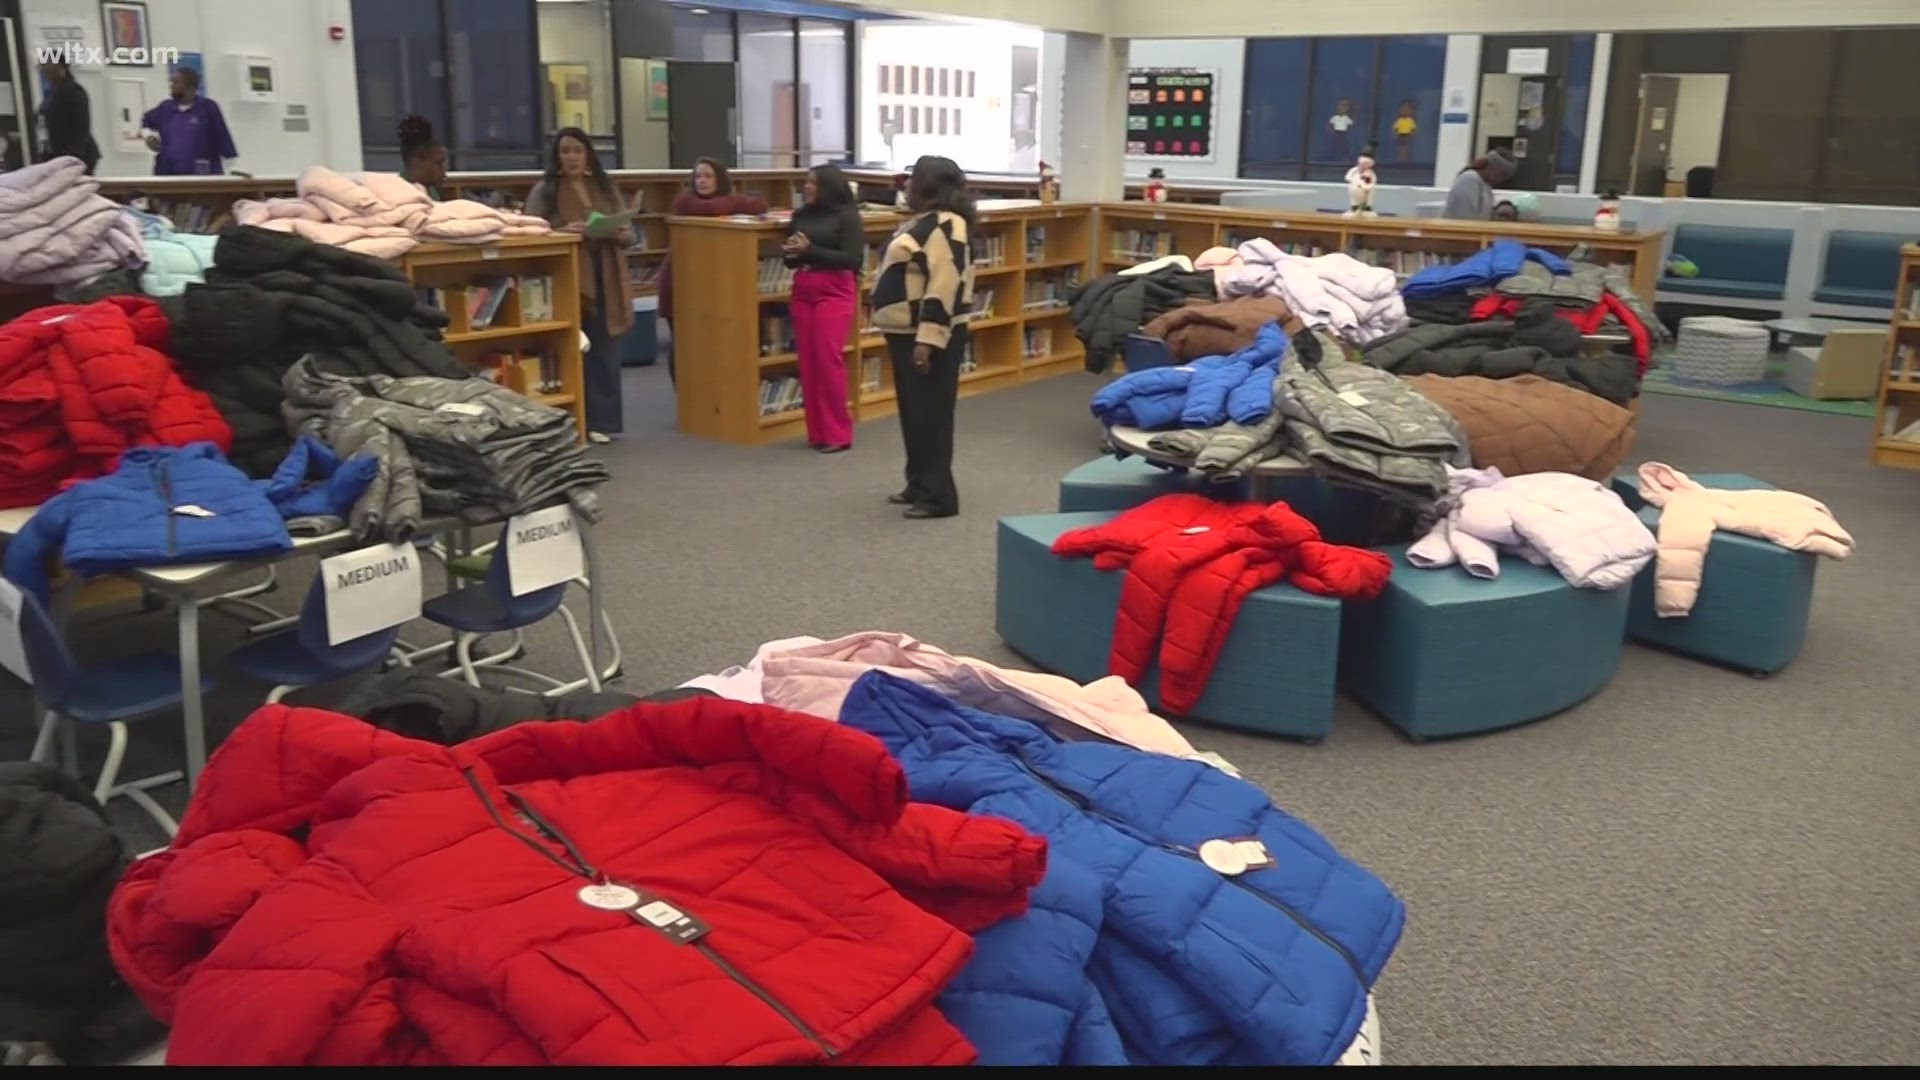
702,120
17,99
1520,117
1653,134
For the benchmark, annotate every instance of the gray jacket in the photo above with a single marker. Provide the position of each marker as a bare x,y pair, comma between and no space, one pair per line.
1358,425
465,448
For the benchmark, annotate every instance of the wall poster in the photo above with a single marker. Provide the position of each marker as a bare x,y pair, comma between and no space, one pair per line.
1170,113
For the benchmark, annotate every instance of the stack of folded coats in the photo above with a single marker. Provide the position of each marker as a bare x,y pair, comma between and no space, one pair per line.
466,448
381,214
56,227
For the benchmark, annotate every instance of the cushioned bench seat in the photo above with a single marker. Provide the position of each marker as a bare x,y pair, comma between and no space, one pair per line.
1860,268
1443,653
1275,676
1755,596
1737,261
1110,483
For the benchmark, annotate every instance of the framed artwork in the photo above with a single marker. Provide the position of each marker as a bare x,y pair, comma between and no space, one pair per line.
659,105
125,25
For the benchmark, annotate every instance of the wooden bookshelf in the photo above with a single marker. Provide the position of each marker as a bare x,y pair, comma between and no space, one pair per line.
528,322
734,341
1133,232
1899,403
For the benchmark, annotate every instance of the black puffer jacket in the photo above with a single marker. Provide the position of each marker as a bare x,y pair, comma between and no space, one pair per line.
59,861
272,298
1107,309
1535,343
422,705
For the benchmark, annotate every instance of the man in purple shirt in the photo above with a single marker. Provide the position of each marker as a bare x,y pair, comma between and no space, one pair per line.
188,135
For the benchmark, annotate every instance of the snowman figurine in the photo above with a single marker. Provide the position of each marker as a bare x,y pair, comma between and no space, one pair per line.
1360,184
1156,189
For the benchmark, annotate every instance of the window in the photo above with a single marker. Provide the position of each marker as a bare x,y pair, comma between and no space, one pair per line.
956,121
943,121
1314,104
969,84
883,78
701,34
576,59
824,51
943,82
397,50
1576,87
926,118
769,138
913,121
899,79
916,78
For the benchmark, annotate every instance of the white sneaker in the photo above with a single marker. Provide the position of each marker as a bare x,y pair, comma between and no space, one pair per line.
599,438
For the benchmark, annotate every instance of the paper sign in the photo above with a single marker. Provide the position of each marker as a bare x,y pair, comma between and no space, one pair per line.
13,651
1526,61
1658,122
543,550
370,590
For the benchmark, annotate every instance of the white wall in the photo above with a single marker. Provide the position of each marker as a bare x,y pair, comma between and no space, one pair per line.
311,70
1697,118
985,142
1227,59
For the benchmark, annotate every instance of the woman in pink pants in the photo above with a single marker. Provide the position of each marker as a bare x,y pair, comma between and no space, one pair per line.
827,245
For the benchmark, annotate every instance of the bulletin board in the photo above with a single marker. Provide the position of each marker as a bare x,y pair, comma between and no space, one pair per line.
1170,113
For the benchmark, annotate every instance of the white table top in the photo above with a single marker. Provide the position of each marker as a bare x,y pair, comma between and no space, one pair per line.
1135,441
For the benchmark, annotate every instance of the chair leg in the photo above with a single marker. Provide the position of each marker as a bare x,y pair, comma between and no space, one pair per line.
154,810
70,747
110,769
463,650
580,650
50,725
275,695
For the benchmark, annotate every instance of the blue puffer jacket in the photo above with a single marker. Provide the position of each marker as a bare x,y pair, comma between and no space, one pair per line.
314,490
162,505
1489,267
1189,966
1205,393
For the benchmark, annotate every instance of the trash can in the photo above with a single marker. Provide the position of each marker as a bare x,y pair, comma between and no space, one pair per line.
640,347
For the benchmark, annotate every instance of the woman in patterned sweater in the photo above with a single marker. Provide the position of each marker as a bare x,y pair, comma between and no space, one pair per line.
924,290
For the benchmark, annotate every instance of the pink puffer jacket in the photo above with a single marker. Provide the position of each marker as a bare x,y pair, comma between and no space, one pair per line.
1690,513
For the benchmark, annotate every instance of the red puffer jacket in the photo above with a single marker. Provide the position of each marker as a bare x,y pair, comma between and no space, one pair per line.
341,895
1190,563
80,385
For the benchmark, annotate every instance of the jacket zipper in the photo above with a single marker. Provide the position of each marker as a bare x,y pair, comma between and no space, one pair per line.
165,469
578,866
1304,923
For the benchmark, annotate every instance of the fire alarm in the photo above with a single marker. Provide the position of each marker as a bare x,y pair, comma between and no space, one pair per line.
336,33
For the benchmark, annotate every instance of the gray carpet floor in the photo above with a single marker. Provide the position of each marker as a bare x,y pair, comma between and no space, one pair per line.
1694,867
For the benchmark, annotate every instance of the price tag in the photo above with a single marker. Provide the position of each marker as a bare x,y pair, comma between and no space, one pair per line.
663,915
13,650
463,408
543,550
1354,398
370,590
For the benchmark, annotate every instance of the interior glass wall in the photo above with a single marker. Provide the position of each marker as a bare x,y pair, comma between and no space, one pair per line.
1314,104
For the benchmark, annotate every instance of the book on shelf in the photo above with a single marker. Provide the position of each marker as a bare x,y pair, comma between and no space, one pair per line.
982,305
536,298
1049,292
1037,342
1036,243
776,335
870,368
779,394
1142,244
990,250
775,275
484,297
1304,248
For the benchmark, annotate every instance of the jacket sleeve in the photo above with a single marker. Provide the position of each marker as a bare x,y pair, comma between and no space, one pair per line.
1686,530
945,255
222,138
32,549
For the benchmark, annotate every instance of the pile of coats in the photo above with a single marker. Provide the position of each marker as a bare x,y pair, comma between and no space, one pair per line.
56,228
1109,308
380,214
978,890
79,385
464,448
1334,292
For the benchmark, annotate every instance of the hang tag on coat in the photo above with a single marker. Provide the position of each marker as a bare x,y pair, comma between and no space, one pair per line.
1354,398
667,917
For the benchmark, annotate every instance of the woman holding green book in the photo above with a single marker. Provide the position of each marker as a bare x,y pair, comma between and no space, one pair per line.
575,190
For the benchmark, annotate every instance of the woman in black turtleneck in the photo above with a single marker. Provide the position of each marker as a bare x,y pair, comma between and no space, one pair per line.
827,244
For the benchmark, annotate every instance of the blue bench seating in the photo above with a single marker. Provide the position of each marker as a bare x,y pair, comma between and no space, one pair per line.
1735,261
1275,676
1442,653
1860,268
1755,596
1109,483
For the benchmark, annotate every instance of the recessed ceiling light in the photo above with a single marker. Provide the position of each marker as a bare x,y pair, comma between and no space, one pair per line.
701,11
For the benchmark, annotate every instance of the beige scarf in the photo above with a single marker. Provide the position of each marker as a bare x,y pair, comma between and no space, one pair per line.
604,254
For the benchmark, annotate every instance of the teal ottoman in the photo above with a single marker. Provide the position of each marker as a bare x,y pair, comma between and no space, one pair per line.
1442,653
1110,483
1275,676
1755,596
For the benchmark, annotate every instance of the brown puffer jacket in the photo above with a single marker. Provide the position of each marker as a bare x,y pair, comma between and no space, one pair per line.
1217,329
1527,424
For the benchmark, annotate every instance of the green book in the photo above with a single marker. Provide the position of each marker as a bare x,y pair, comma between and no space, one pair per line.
602,226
